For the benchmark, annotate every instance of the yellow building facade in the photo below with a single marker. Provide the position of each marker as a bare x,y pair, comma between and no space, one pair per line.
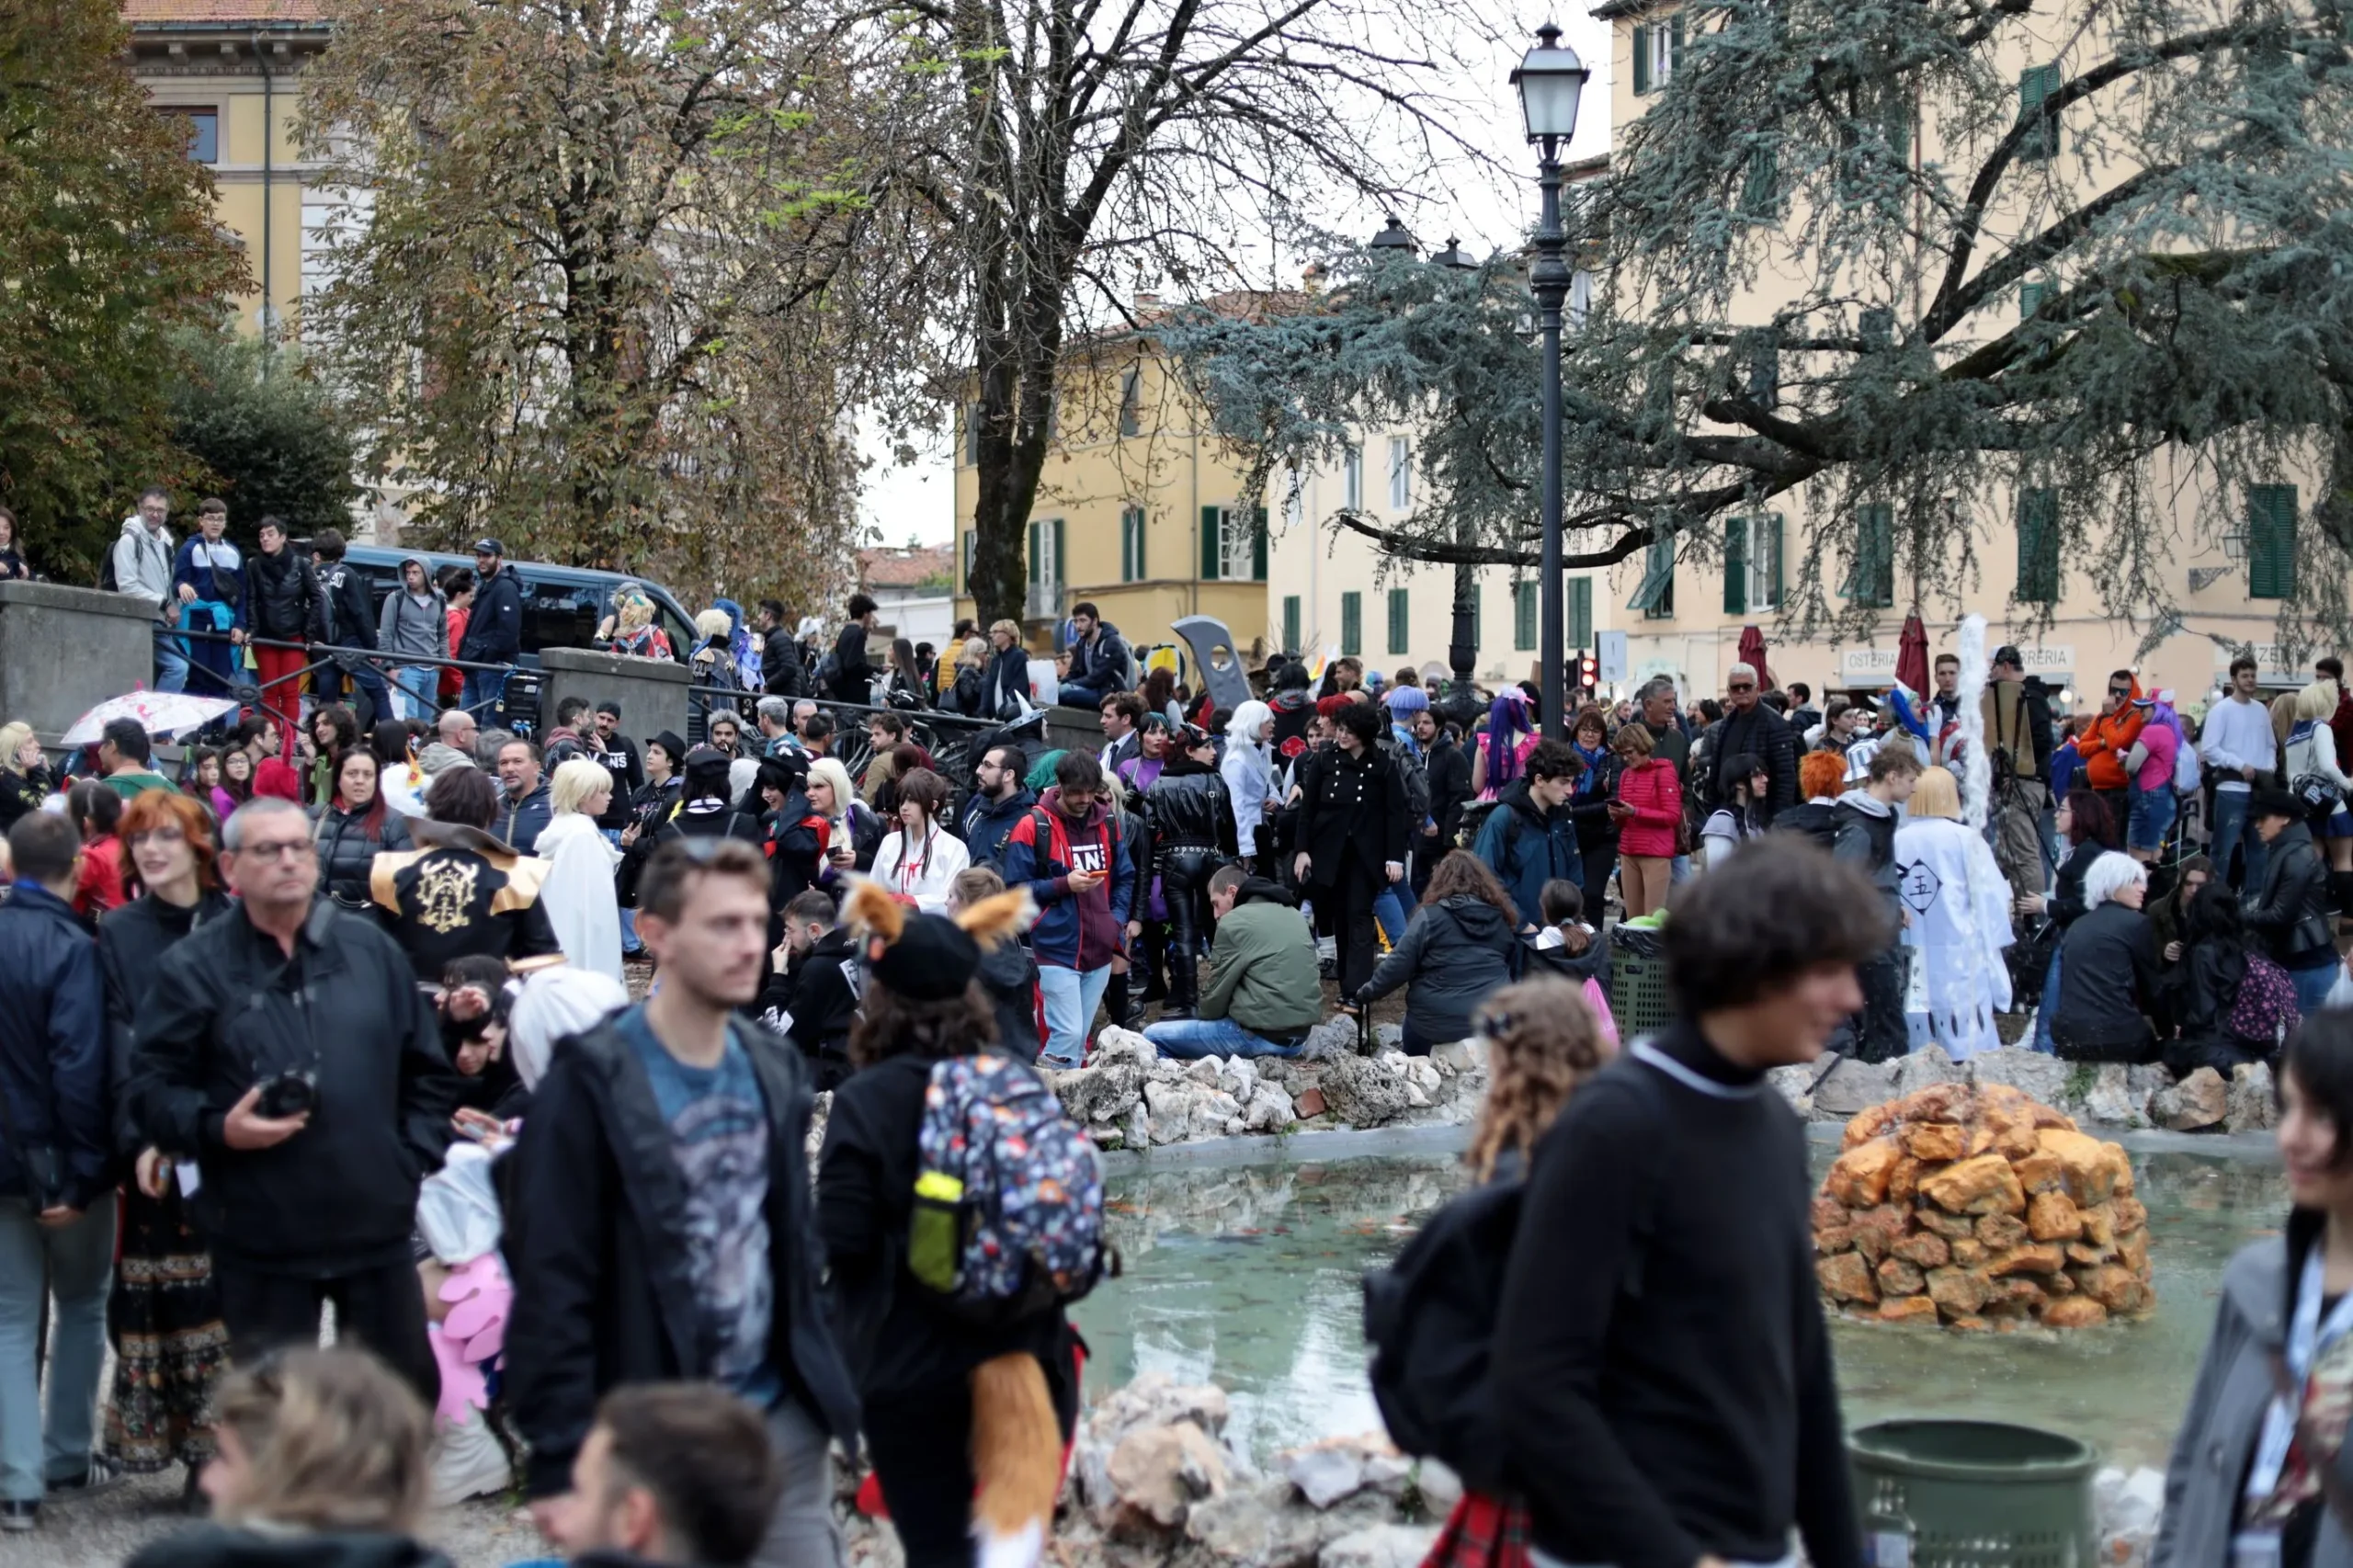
1684,604
1141,510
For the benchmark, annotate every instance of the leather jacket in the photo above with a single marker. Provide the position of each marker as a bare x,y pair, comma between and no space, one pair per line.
2291,913
1187,807
348,855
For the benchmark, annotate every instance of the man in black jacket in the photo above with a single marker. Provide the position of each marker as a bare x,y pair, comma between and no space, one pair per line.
1864,826
1752,729
1646,1425
350,613
617,755
659,1218
282,605
1449,776
782,671
287,1049
493,628
852,672
2291,913
56,1191
821,979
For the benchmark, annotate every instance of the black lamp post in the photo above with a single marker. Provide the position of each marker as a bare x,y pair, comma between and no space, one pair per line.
1551,79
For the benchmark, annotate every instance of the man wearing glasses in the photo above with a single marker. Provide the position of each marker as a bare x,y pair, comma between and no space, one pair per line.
2109,741
288,1050
1751,729
999,802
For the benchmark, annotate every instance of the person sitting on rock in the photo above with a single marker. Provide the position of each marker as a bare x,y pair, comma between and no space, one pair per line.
1262,992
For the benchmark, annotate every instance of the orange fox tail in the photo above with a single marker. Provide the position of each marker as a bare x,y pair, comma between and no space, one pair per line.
1017,1457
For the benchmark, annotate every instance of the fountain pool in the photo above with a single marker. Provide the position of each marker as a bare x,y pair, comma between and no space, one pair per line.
1247,1276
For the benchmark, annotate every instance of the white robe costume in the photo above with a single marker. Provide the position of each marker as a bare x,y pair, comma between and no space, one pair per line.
578,893
1960,908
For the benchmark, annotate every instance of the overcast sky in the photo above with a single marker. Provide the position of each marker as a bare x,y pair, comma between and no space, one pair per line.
1487,214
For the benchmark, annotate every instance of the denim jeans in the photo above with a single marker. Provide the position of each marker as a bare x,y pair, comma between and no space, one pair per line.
75,1265
2042,1014
1190,1039
420,686
2231,830
2312,984
1072,997
1389,908
481,693
170,661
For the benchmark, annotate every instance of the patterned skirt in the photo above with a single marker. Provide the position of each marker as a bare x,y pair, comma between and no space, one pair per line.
1482,1533
170,1344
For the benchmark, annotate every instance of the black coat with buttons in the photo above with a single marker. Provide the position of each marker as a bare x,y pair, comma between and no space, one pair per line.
1349,806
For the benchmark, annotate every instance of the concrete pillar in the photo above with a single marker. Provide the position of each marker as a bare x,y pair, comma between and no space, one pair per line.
64,649
652,692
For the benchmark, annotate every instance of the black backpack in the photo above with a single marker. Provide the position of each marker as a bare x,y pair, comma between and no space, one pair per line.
1430,1317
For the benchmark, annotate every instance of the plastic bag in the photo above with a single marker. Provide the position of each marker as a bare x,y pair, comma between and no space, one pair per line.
457,1208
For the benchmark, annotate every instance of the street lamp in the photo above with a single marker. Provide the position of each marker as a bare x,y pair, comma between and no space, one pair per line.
1551,80
1395,238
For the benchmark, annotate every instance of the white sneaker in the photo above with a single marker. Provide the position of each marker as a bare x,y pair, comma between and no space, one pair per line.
469,1462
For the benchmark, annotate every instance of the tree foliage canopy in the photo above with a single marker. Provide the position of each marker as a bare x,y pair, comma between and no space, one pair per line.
592,294
272,442
110,245
2168,189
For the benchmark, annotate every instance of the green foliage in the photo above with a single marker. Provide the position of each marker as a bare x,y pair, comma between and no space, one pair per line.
266,430
110,245
2194,336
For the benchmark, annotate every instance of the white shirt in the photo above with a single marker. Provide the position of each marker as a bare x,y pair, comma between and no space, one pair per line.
939,857
2236,735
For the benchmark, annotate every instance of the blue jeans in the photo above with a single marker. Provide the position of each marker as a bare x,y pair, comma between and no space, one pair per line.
1072,997
2312,986
483,687
170,661
1389,908
2050,1005
2231,832
1189,1038
1073,695
75,1265
2149,818
420,686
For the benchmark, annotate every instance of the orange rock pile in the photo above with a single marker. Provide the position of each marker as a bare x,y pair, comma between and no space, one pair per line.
1976,1207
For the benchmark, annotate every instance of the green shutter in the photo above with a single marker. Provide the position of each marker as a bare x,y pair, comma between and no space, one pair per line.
1736,566
2030,297
1290,624
1655,594
2036,86
1642,61
1131,403
1400,634
1352,624
1767,546
1212,548
2271,541
1037,554
1580,612
1760,191
1870,578
1056,580
1523,615
1674,45
1127,548
1258,546
2037,547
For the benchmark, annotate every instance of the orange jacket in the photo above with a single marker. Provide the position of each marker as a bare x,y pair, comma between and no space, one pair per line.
2109,739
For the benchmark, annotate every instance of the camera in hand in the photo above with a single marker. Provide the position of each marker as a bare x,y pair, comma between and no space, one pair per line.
287,1093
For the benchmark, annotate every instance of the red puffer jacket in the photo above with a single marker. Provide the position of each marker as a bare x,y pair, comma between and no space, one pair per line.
1652,790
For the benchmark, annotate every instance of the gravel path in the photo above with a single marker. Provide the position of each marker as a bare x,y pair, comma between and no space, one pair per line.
104,1531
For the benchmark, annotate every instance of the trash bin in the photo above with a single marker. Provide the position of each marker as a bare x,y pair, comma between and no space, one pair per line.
1638,996
1973,1494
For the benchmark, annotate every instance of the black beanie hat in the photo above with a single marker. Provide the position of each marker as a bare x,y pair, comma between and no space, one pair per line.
933,961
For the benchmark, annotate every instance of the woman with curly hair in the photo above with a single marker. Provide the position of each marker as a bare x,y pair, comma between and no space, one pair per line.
1543,1043
170,1343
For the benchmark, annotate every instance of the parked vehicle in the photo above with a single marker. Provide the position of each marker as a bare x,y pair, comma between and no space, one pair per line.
561,604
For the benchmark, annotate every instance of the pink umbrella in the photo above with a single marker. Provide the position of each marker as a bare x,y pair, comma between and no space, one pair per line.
1752,653
1912,656
158,713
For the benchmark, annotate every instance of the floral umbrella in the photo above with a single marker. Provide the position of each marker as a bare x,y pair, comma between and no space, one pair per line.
159,713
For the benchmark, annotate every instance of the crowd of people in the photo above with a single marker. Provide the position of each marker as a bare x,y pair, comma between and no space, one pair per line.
333,1012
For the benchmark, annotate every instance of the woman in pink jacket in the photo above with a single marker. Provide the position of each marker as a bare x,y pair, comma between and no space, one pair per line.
1648,810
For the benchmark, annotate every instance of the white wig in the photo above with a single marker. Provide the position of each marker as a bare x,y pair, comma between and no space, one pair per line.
1244,725
2108,875
554,1004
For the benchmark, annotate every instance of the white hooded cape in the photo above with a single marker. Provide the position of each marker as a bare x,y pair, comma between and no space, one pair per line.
1960,908
578,893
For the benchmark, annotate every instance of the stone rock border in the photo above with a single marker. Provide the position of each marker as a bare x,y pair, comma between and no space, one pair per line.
2106,1095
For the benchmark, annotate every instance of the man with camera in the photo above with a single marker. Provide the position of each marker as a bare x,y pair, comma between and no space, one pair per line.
289,1051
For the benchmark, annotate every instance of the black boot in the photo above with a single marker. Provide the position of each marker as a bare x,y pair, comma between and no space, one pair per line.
1182,974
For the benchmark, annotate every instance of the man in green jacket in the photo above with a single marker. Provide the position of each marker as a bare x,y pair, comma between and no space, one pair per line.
1262,992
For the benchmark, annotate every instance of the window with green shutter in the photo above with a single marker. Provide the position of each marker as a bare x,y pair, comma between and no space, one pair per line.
1674,60
1212,541
1765,561
2037,547
1131,403
1736,566
1523,615
1580,616
1290,624
1352,624
1871,577
1641,59
1401,633
1654,596
2030,297
1760,189
2271,541
1132,562
1258,545
2036,85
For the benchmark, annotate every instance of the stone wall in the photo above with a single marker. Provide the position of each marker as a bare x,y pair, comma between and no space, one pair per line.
652,692
2108,1095
63,650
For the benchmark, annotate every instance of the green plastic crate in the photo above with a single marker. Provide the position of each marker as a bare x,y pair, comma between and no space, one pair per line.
1638,998
1935,1494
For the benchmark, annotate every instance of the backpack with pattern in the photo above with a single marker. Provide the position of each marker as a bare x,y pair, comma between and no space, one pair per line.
1008,1209
2266,1010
